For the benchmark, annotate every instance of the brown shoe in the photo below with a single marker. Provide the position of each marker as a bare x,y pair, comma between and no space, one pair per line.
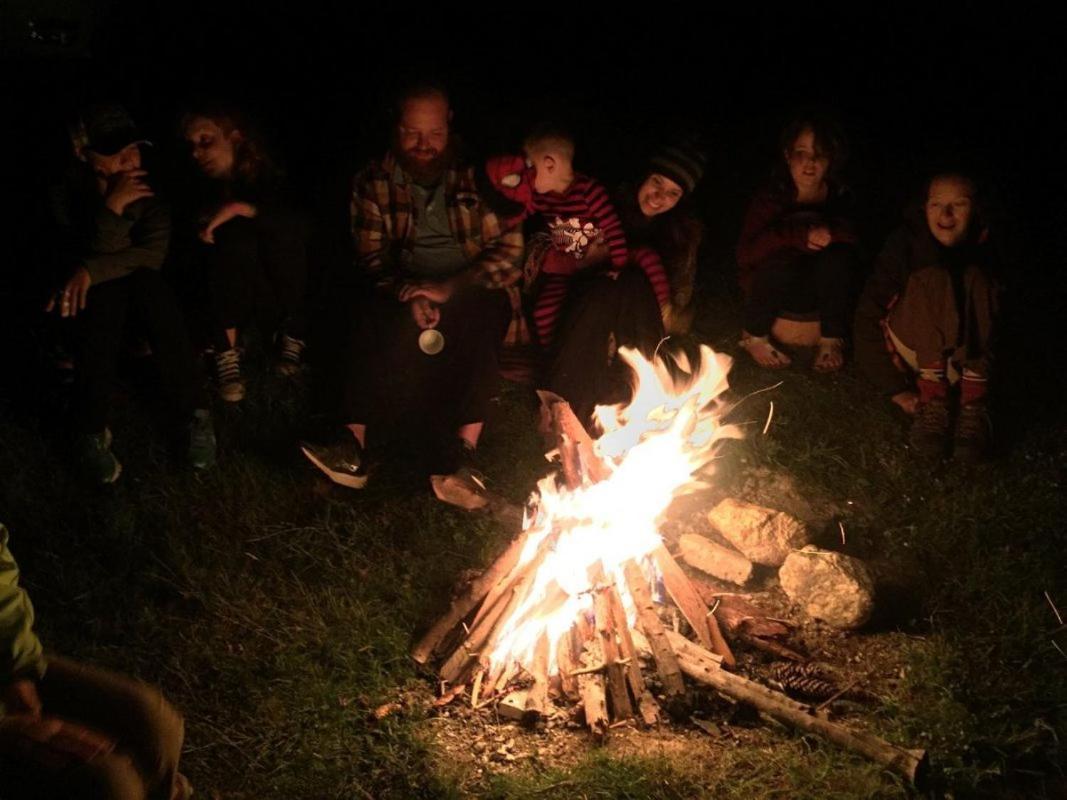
929,430
973,433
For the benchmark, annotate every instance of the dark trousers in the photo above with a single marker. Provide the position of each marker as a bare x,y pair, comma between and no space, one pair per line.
145,298
390,378
601,315
802,284
258,271
148,731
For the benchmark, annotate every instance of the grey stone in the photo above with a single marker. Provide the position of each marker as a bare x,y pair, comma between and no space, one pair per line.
831,587
763,535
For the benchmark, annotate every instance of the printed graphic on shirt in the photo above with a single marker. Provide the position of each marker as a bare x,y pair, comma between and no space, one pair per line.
573,237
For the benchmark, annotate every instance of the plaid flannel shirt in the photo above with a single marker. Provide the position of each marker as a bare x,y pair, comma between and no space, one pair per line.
382,225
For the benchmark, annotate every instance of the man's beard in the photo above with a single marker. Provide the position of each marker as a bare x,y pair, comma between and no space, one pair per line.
421,171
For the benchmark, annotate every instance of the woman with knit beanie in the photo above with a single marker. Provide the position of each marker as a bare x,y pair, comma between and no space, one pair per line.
604,313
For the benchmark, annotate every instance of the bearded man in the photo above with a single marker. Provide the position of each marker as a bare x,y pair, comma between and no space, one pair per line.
439,259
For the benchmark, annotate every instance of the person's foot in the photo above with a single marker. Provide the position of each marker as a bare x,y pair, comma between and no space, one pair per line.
96,458
830,356
763,352
929,430
973,433
290,356
343,462
202,443
228,375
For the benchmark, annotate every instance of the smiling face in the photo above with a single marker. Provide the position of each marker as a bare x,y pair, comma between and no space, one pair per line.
212,148
808,164
949,207
422,131
658,194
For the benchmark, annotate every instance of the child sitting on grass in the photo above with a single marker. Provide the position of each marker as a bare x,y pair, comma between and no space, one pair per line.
578,213
797,250
927,313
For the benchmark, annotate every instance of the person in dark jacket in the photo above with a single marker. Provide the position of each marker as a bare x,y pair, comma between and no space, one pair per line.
925,320
797,251
253,245
112,233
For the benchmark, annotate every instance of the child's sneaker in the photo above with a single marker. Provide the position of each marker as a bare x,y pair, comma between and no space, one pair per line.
290,356
973,433
202,443
228,375
929,430
96,458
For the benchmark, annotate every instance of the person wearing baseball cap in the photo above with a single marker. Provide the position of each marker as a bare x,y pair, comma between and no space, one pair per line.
113,233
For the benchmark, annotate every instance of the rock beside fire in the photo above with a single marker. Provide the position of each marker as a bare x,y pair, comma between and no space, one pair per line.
763,535
714,559
831,587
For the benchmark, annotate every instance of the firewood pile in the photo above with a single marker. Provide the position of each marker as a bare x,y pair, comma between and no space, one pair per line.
627,654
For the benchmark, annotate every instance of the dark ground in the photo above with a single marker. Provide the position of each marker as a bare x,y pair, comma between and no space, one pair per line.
278,611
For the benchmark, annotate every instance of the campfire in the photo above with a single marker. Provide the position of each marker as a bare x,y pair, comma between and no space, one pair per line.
576,604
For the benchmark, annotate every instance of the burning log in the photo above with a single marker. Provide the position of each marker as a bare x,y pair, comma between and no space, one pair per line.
567,665
700,665
670,673
591,688
646,703
537,698
466,602
616,672
692,607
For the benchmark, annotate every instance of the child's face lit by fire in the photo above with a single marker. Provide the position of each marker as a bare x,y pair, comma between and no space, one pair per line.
658,194
807,163
212,147
948,209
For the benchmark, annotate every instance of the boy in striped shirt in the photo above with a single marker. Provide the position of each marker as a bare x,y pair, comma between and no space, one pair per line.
578,214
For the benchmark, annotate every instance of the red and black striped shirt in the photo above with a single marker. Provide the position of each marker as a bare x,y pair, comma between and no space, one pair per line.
588,201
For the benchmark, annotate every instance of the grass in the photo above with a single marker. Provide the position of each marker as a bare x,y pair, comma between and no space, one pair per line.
278,613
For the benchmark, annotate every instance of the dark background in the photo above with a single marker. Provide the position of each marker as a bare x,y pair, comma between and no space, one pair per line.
914,89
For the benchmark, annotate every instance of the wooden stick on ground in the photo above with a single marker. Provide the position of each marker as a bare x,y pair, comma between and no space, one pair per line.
666,662
699,664
692,607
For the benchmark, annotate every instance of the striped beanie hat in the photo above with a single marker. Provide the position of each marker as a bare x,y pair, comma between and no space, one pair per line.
682,162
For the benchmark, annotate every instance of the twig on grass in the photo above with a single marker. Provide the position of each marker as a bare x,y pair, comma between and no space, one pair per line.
1056,611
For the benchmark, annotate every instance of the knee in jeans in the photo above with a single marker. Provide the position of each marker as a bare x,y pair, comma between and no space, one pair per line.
113,777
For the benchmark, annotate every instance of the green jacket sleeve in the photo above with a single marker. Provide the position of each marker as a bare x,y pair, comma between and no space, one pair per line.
122,244
20,649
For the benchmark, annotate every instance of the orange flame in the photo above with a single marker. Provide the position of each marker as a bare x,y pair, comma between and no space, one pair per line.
653,446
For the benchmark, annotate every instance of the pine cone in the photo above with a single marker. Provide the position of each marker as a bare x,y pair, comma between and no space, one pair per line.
806,680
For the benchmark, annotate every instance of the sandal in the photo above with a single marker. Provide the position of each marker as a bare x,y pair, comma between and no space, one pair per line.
763,352
830,356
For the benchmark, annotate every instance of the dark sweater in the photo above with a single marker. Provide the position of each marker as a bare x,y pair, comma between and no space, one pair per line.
777,227
109,245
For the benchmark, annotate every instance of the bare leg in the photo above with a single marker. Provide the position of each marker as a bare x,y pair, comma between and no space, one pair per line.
471,432
360,432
